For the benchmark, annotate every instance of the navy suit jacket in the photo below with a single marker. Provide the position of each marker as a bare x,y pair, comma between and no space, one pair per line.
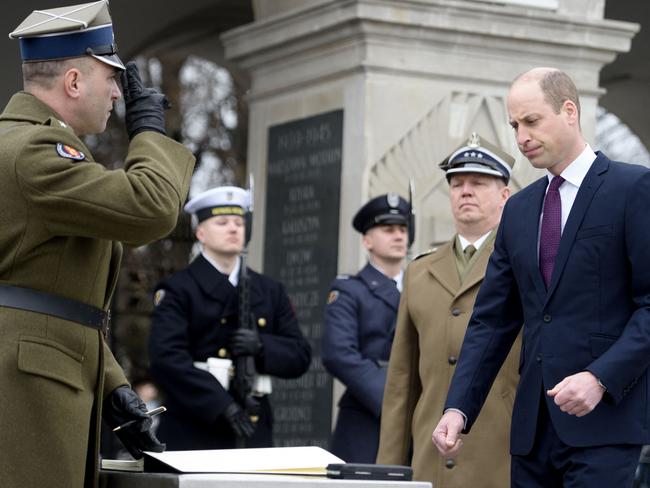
595,315
359,327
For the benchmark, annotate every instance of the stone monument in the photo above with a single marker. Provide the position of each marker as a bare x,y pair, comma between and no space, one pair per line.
391,87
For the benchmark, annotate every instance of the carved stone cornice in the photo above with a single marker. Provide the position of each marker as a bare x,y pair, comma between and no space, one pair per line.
333,38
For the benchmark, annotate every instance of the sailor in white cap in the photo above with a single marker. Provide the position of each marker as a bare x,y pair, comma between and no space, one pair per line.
64,217
195,324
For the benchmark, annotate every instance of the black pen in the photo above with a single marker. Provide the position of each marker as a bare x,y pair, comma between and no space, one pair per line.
151,413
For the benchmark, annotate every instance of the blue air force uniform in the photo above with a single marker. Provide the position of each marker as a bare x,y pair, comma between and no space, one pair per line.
359,329
359,326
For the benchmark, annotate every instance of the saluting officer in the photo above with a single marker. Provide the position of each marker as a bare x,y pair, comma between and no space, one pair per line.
195,321
360,323
63,217
440,288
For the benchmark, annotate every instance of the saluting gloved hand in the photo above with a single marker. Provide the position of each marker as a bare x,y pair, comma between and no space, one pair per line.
239,420
245,342
124,406
145,107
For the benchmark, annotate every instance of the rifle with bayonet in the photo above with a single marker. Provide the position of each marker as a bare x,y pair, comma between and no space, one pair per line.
245,372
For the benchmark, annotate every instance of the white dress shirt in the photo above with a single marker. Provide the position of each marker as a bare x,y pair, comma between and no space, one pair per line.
573,175
477,243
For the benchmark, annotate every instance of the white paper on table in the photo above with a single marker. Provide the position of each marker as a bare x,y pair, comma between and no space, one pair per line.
294,460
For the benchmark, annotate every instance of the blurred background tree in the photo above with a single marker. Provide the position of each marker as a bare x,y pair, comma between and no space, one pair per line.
208,115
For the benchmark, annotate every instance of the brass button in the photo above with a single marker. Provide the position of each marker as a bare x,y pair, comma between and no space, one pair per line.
539,358
450,463
452,360
224,321
455,312
222,352
261,322
547,318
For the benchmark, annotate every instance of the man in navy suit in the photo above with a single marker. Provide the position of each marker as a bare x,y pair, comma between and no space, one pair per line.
359,326
571,264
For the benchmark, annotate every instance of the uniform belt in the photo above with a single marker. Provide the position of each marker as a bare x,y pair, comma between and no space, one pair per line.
54,305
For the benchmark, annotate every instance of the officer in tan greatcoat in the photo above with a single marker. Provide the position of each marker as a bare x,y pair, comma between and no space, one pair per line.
63,218
439,292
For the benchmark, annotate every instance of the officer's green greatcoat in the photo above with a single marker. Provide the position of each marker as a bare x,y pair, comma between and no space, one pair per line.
433,314
62,219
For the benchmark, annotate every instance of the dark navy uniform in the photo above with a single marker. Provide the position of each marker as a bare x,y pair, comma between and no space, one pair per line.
359,328
196,312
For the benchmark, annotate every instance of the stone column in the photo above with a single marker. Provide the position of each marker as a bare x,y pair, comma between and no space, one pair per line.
412,78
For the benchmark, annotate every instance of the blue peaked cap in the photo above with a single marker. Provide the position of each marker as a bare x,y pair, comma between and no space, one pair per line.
477,155
69,32
382,210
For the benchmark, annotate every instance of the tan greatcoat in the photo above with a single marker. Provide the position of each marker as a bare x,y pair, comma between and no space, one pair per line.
433,315
62,219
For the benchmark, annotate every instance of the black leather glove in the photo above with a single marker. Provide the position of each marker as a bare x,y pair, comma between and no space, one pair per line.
239,420
123,406
245,342
145,107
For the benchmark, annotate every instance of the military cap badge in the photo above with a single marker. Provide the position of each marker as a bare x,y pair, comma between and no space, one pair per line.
392,199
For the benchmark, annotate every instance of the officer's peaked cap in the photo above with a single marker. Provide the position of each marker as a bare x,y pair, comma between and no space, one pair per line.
384,209
68,32
477,155
224,200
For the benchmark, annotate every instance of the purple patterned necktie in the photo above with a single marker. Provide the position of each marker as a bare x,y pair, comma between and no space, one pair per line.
549,238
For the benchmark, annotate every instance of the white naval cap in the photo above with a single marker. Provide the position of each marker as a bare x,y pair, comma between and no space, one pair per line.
223,200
